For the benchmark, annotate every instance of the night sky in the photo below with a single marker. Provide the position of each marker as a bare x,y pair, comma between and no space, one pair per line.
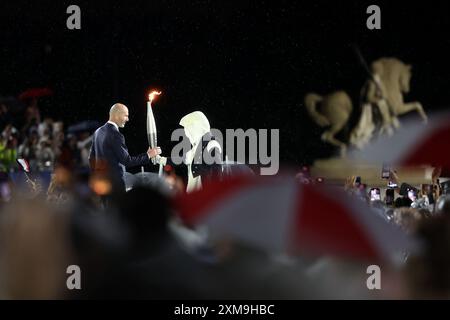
245,64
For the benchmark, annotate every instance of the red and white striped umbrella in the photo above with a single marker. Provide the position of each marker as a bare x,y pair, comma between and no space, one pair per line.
281,215
414,144
35,93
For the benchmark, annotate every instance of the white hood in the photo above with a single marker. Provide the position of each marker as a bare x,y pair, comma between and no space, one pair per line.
195,126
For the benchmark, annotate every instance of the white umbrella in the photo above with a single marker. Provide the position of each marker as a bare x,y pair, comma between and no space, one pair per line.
414,144
281,215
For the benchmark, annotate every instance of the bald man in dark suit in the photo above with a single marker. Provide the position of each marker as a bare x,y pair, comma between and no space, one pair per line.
109,153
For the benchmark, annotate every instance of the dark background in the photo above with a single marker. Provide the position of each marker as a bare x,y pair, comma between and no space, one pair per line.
245,64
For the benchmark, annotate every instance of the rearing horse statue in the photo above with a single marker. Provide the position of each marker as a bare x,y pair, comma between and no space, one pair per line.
392,77
396,77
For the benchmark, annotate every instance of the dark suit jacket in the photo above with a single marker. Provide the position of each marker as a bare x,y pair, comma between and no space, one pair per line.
109,152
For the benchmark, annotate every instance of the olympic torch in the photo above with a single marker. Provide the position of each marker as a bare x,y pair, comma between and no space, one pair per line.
151,127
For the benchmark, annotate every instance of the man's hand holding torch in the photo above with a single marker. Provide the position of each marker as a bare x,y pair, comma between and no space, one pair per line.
153,152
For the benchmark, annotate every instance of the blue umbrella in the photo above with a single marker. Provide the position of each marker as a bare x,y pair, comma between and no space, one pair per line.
14,105
130,180
88,125
236,168
152,180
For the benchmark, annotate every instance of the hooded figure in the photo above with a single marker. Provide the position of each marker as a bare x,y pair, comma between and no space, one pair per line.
197,130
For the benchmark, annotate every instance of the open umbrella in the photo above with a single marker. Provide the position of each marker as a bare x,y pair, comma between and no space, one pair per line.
414,144
235,168
130,180
153,180
35,93
14,105
88,125
281,215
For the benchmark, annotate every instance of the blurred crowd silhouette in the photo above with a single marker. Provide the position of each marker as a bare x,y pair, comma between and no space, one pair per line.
139,247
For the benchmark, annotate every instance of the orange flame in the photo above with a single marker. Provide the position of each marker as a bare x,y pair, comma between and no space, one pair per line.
151,96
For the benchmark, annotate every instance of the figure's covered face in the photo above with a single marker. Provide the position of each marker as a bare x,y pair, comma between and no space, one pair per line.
187,133
195,126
